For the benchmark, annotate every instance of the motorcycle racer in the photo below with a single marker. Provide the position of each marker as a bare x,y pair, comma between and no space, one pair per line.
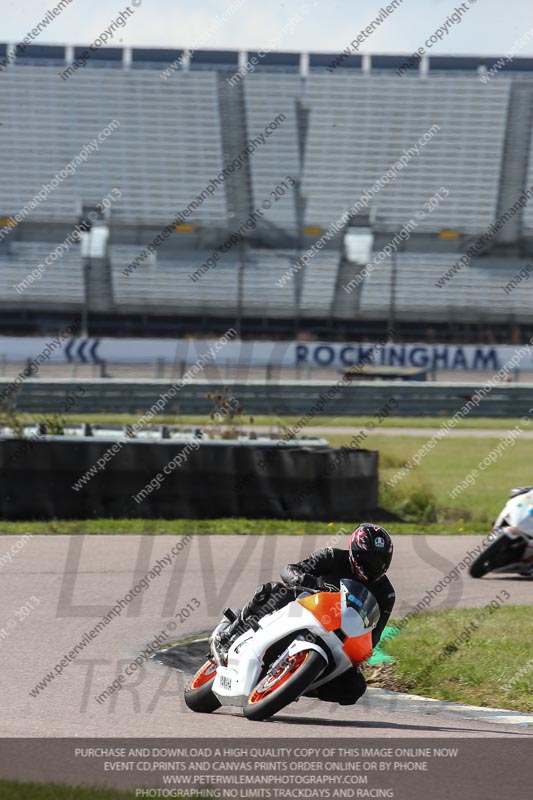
367,559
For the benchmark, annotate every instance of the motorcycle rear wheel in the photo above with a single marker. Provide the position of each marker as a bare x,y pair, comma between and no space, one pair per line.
284,684
198,693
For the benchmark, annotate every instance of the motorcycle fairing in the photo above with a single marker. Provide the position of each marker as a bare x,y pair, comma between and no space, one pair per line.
343,621
518,515
235,681
352,613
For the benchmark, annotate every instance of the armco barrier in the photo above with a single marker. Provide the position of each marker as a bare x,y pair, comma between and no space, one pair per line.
283,398
214,480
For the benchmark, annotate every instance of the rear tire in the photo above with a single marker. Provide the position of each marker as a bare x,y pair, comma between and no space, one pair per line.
198,693
499,553
275,691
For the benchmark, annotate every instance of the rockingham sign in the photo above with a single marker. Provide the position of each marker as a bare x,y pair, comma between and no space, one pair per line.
276,354
432,356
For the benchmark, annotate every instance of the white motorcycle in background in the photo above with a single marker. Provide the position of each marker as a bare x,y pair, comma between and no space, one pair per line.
293,651
512,549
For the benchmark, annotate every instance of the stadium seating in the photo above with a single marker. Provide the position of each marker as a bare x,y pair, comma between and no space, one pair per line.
341,133
162,156
164,284
528,210
266,96
361,124
474,294
60,285
319,282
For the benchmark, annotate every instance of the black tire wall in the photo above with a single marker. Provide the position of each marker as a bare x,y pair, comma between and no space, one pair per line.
215,480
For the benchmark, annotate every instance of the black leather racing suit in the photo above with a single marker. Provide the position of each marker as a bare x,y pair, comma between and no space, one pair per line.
322,569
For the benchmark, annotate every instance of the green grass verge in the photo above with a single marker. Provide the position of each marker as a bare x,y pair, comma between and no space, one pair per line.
424,494
494,667
12,790
483,423
181,527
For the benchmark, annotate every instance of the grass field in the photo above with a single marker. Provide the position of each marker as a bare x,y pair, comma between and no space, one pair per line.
441,470
455,655
244,527
481,423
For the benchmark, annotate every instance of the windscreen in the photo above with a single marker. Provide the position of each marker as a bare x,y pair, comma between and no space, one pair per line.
363,601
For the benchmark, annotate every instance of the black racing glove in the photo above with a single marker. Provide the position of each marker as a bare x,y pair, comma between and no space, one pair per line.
320,584
308,582
326,586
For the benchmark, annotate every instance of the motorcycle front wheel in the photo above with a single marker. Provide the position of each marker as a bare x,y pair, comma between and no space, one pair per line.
283,683
198,693
499,553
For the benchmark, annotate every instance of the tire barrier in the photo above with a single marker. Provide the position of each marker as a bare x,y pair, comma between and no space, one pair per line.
79,479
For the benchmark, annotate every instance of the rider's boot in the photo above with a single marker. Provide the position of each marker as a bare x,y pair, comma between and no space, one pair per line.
245,620
266,598
230,633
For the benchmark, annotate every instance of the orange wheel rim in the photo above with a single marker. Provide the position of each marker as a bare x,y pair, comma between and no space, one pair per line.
281,675
204,674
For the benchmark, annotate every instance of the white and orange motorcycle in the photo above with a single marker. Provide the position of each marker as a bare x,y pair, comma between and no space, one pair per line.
293,651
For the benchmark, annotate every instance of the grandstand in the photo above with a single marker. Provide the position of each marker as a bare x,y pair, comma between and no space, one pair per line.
418,297
163,136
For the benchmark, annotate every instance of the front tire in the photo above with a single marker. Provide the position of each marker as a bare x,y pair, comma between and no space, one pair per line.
499,553
283,685
198,693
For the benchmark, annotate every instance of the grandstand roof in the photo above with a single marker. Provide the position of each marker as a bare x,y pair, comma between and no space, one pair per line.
229,59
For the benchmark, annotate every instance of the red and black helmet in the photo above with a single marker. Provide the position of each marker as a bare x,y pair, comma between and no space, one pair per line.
370,552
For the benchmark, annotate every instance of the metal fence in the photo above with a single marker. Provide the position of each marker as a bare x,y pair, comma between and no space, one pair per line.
284,398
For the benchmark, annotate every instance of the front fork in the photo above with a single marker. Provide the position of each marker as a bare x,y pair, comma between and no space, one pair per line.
229,616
